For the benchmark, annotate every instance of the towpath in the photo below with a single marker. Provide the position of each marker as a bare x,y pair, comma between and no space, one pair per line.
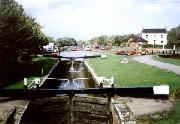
147,59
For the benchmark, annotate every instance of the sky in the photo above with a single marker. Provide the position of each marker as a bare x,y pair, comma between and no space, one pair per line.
84,19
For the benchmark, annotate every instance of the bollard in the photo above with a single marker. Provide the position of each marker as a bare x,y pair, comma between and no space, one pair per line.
101,85
112,85
25,83
37,82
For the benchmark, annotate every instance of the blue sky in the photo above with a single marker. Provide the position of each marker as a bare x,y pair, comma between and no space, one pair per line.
84,19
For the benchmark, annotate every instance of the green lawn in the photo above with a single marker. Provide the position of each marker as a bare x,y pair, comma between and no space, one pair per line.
134,73
168,60
137,74
19,84
47,64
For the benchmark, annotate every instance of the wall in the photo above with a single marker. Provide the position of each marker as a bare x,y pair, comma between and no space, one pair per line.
155,36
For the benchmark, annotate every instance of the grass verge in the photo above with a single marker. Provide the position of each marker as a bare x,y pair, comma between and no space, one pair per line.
168,60
134,73
46,63
138,74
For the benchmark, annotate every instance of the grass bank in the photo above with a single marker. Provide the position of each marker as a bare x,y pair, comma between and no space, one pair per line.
138,74
46,63
168,60
134,73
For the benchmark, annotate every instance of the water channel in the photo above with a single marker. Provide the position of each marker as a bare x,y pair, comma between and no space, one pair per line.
70,73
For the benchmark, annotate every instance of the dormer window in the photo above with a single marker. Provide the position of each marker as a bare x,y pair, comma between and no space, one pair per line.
161,36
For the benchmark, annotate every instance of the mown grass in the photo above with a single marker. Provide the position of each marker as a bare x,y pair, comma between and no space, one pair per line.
46,63
168,60
133,73
138,74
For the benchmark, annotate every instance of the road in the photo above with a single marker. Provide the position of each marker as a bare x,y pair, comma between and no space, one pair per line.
150,61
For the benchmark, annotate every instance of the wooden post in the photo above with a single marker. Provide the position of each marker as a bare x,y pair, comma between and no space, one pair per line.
110,120
70,105
174,52
42,71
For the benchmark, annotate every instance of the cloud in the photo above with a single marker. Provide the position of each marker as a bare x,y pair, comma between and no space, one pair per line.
83,19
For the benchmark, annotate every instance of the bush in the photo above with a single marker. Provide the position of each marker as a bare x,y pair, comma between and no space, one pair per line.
152,46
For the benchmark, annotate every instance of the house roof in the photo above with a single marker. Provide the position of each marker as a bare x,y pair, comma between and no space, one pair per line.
154,31
138,39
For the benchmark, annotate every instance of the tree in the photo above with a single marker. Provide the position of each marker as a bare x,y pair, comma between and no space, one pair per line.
19,33
174,36
66,41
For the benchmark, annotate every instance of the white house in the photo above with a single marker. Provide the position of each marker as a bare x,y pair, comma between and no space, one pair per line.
155,36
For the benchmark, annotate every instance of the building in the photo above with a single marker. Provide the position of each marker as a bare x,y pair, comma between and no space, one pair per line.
50,47
155,36
137,43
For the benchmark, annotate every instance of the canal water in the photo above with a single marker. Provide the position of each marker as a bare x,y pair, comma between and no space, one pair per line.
70,73
64,77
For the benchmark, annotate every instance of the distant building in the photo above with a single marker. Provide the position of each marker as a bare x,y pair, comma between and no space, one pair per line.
49,47
137,43
155,36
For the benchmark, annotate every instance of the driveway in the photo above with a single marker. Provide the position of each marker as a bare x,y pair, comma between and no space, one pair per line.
150,61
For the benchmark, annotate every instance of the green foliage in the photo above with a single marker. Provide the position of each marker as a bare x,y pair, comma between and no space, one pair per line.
66,41
18,31
174,36
116,40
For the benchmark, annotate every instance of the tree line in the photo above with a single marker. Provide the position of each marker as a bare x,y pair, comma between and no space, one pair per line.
114,40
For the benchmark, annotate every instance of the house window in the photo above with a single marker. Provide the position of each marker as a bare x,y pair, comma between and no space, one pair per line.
161,36
146,36
161,42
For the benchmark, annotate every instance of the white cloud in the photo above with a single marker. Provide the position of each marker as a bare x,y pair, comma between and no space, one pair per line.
84,19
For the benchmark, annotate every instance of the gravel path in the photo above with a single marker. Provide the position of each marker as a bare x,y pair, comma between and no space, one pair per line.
150,61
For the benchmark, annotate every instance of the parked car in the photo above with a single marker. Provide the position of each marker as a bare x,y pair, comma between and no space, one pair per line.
87,48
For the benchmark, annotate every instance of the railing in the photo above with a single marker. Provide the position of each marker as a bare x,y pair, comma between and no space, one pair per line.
165,52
